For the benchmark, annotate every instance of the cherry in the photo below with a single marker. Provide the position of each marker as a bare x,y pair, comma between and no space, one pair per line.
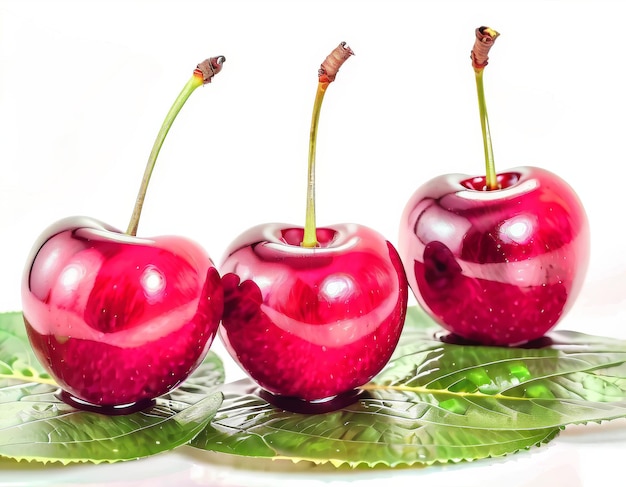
496,259
312,313
118,320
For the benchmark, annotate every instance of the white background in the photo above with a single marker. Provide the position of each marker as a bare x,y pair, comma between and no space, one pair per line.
84,87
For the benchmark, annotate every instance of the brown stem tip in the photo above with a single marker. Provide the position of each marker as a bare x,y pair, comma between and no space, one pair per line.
209,68
329,68
485,37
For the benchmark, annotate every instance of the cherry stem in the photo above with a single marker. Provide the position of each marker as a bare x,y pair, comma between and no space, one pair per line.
309,238
202,75
326,75
485,37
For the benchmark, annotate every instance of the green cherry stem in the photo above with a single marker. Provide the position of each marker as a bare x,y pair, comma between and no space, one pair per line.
326,75
485,37
202,75
309,238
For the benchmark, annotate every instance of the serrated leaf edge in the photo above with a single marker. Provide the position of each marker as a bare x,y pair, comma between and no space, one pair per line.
338,463
215,399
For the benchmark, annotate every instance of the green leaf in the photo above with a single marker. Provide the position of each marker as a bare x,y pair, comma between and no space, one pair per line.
437,402
372,431
17,359
35,425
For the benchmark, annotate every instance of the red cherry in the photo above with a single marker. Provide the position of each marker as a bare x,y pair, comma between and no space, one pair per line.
312,323
313,313
498,267
118,319
497,259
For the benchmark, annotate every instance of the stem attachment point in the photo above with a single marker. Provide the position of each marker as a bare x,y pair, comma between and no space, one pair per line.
209,68
330,66
485,38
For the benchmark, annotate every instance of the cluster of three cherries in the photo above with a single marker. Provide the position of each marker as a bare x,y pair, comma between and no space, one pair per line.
309,313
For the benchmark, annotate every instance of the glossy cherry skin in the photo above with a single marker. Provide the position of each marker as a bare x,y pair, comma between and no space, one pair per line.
117,319
312,323
497,267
